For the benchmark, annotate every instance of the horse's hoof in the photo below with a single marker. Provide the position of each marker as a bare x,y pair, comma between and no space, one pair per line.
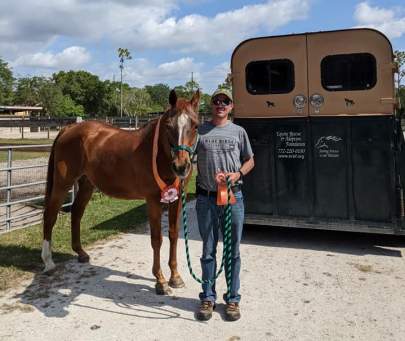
176,282
162,289
49,268
83,258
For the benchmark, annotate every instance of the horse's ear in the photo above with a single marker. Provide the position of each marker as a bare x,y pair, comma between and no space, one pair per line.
195,101
173,98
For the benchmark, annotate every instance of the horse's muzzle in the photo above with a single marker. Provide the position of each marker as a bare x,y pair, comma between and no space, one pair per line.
182,170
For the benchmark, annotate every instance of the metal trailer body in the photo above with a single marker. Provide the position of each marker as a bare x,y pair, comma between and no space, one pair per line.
319,109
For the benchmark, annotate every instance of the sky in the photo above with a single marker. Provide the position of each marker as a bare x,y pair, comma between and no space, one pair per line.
168,39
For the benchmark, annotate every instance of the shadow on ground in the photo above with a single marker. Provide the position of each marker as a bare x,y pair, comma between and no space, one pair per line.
26,258
323,240
56,294
320,240
127,221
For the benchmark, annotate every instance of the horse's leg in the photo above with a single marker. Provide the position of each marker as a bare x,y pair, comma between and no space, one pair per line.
82,198
174,213
53,204
155,216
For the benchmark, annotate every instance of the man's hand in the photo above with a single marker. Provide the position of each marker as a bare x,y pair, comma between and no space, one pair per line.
220,178
233,177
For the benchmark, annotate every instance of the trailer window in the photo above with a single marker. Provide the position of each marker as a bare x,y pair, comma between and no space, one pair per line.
344,72
270,77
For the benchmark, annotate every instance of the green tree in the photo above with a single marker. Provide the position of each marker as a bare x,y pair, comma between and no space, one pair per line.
84,89
6,84
187,91
57,104
65,106
111,99
205,103
181,91
28,90
227,84
136,102
400,60
191,87
159,94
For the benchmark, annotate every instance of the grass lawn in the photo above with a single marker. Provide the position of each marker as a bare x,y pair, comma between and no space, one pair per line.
22,155
14,142
20,251
26,154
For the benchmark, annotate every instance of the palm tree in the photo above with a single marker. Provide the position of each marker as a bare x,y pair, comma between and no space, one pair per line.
123,55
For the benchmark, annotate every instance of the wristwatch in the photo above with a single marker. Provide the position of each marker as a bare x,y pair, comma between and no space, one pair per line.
241,174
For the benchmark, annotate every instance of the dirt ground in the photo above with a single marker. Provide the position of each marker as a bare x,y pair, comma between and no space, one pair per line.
35,216
22,177
296,285
15,133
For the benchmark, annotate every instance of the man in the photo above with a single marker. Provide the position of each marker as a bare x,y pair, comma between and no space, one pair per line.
223,151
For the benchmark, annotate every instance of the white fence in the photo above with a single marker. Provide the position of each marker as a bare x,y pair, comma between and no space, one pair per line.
22,187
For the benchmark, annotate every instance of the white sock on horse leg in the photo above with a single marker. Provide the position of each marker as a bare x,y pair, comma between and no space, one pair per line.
47,256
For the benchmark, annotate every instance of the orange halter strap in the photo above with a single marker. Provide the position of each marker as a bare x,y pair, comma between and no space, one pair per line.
162,185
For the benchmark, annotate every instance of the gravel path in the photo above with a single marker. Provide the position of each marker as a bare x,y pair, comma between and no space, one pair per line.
296,285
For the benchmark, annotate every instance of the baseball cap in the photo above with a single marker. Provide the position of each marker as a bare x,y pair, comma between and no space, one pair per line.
223,91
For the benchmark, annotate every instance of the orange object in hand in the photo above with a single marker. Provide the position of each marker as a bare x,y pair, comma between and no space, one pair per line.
222,195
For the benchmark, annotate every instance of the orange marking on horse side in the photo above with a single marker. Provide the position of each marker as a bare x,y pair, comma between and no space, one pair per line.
62,168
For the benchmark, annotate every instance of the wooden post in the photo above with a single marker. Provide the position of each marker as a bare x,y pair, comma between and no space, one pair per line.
8,207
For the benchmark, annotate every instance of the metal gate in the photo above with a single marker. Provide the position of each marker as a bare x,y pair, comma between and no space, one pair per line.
22,188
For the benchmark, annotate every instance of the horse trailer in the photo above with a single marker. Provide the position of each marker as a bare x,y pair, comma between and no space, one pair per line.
322,116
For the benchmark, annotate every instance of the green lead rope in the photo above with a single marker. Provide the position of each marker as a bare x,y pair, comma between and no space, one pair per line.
226,256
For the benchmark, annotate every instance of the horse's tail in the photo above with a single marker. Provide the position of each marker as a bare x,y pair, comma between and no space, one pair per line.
51,166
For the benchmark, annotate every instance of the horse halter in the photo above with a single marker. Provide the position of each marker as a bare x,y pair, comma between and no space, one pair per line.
169,193
190,149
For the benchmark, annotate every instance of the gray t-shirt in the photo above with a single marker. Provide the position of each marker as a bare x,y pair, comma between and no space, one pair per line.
222,148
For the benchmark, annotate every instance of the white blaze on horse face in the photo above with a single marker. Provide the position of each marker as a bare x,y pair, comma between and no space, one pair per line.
46,256
183,122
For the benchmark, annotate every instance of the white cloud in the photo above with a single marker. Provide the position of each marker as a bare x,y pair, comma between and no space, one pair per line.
70,58
139,24
28,28
211,78
388,21
141,72
221,32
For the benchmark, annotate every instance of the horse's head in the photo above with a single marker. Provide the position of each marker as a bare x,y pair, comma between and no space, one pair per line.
182,121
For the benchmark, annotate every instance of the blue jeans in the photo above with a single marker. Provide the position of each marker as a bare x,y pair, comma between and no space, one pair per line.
210,218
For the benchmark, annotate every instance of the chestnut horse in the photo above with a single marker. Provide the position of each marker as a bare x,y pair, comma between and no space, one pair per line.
119,163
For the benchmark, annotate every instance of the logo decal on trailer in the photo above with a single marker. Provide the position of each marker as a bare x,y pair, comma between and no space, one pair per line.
326,146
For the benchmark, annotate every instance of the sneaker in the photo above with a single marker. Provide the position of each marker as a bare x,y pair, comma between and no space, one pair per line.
205,311
232,311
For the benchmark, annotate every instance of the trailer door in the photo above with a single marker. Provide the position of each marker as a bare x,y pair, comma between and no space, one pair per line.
270,78
350,83
350,73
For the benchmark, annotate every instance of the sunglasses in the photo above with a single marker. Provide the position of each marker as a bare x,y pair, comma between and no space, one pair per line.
224,102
